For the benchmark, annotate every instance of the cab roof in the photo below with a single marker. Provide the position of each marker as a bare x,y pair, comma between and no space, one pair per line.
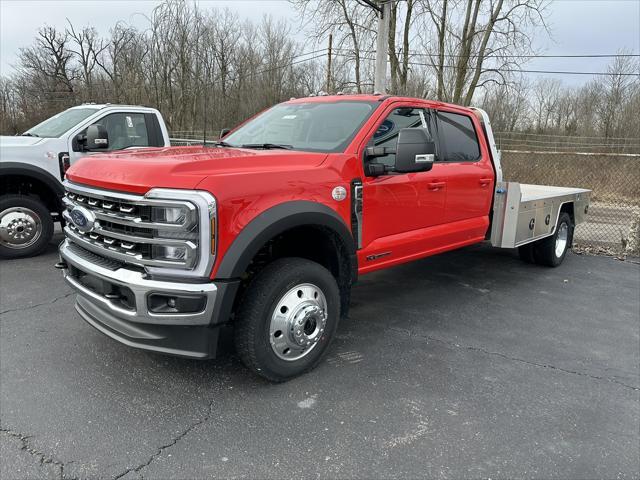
370,97
100,106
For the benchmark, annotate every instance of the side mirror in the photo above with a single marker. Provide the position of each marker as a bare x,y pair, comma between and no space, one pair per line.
77,142
97,137
373,169
224,132
415,151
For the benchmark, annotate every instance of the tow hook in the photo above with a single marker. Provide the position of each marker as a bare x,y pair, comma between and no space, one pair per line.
61,265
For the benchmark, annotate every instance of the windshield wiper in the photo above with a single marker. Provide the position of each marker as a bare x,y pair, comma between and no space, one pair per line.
28,134
267,146
222,143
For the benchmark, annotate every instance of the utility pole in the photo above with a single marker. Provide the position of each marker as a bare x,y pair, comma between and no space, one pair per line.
328,90
204,117
382,44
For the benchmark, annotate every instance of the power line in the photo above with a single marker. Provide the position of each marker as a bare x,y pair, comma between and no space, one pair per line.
448,55
516,70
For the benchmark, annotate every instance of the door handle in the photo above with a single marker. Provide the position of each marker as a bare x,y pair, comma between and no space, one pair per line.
436,185
485,181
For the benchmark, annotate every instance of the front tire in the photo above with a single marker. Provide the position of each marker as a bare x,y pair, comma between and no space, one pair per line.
26,226
287,318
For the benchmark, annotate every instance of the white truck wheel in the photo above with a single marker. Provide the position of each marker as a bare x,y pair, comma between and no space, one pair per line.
26,226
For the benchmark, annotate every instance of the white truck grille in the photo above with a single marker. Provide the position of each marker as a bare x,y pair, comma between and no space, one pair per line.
172,230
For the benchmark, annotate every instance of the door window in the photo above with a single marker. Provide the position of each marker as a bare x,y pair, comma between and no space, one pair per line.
125,130
399,118
459,137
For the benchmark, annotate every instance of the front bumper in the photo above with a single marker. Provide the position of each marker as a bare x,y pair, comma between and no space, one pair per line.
102,285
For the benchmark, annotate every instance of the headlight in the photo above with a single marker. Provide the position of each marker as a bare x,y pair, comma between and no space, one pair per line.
169,253
170,215
185,226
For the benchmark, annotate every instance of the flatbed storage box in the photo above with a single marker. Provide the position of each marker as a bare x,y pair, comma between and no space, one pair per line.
525,213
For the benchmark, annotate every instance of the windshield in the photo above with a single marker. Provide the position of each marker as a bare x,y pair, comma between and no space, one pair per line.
58,124
313,126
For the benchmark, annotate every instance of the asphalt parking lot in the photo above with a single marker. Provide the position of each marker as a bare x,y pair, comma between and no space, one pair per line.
468,364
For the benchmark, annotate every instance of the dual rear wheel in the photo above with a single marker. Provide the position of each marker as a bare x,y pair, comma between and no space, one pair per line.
550,251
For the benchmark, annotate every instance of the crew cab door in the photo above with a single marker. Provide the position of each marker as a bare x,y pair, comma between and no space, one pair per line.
468,173
399,209
125,129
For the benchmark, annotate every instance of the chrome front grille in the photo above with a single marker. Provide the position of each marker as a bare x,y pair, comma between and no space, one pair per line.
157,231
126,211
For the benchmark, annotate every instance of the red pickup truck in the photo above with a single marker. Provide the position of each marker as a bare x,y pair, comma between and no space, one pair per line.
269,228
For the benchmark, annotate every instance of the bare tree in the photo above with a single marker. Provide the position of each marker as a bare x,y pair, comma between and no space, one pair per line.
482,40
206,69
49,61
399,60
350,22
88,46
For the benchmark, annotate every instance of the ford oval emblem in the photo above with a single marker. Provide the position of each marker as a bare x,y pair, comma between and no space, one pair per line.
82,218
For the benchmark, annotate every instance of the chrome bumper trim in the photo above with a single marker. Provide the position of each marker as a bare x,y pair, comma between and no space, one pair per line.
141,288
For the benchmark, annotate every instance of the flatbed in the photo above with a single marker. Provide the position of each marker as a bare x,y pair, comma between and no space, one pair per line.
524,213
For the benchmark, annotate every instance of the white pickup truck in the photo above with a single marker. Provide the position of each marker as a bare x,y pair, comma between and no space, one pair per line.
32,167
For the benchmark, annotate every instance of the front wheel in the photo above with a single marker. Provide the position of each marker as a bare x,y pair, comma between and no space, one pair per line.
287,318
26,226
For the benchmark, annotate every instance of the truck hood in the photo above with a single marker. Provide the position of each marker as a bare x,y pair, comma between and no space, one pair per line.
19,141
181,167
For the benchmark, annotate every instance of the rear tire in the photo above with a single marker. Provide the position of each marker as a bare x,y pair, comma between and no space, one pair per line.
26,226
527,253
287,318
551,251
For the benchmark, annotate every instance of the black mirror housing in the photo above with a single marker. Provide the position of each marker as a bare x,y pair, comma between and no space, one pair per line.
373,169
78,142
224,132
415,151
97,137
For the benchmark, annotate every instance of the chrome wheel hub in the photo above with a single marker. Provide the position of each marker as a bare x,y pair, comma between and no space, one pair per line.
298,322
562,238
19,227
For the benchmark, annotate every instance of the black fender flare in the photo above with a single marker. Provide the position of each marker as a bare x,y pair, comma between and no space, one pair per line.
26,170
277,220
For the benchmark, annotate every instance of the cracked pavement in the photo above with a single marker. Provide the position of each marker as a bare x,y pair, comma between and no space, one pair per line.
468,364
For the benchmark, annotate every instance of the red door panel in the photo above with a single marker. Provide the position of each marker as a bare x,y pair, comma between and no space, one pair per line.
468,173
469,190
395,204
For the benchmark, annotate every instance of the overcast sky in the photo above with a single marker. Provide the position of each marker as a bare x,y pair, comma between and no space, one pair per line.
578,26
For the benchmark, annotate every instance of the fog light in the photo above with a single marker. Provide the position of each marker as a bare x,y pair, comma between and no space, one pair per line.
159,303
